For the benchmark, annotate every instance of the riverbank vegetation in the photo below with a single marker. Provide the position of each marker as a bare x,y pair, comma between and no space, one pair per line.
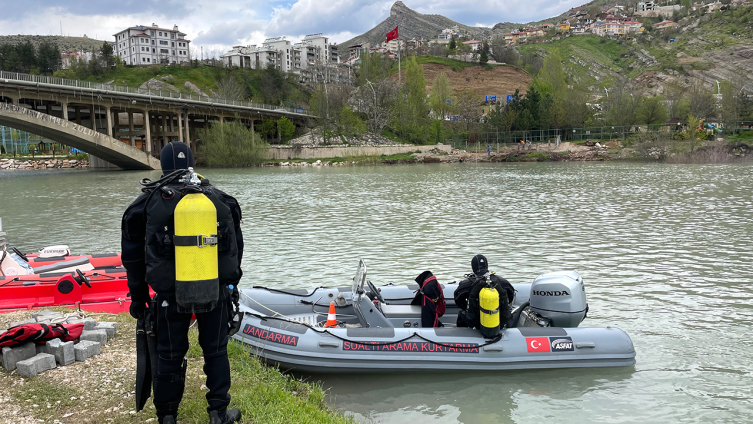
230,144
101,389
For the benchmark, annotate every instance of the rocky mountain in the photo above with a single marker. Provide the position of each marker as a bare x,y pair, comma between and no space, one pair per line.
413,24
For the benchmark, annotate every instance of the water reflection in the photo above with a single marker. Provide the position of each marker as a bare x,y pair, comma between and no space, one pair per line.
475,397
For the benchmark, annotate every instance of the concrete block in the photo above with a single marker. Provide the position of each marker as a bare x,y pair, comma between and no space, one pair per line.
46,316
73,320
33,366
99,336
13,355
85,349
27,321
62,351
89,323
41,348
109,327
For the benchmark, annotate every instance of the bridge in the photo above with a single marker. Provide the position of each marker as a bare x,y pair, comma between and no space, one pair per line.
123,126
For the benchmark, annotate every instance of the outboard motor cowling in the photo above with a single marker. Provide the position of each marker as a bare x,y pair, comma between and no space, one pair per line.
561,297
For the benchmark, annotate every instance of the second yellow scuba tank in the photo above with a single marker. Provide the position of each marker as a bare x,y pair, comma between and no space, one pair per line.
196,257
489,312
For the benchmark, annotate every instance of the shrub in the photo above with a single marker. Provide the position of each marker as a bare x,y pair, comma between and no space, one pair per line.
229,144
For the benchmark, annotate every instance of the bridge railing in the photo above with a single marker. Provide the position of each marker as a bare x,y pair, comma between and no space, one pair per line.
16,76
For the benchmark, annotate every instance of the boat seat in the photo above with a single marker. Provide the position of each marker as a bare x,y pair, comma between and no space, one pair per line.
64,265
401,311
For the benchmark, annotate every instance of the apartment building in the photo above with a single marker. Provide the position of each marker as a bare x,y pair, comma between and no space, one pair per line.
148,45
280,53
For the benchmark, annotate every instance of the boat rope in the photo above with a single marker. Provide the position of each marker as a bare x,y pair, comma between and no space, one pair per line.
276,314
288,293
326,331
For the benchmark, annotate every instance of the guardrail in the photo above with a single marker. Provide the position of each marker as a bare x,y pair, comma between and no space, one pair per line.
64,82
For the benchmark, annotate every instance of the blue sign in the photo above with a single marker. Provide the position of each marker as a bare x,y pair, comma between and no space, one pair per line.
492,99
509,98
448,101
671,40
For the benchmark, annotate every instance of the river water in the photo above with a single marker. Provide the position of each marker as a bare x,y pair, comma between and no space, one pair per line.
664,250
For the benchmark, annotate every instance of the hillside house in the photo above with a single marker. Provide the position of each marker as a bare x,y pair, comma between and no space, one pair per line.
564,27
578,30
515,37
473,44
664,25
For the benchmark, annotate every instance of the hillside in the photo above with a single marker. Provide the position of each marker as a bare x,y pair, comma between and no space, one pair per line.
480,80
413,24
66,44
707,48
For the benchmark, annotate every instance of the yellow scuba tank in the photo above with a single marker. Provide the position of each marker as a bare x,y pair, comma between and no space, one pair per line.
489,312
196,256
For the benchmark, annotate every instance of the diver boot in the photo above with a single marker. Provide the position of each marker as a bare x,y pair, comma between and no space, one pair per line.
169,419
231,416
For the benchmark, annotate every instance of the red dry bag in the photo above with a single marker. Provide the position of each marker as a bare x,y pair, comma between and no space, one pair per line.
40,333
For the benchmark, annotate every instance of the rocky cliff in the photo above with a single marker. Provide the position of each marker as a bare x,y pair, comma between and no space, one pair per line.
413,25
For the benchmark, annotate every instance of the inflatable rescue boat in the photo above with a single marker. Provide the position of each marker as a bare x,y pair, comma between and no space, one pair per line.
378,330
54,277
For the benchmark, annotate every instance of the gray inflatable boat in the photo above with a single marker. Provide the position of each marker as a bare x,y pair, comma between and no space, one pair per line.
378,330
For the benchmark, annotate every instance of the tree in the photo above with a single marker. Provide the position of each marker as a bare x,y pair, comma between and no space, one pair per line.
467,107
453,44
483,58
694,125
229,144
229,88
578,110
286,128
652,111
551,77
730,105
702,102
350,123
48,58
27,56
411,111
441,96
107,55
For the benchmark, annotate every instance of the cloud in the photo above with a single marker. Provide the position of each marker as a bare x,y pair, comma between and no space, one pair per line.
220,24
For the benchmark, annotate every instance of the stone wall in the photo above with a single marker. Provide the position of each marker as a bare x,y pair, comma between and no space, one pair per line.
299,152
12,164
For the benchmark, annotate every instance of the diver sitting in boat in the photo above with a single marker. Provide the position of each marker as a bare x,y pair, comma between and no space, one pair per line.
467,294
431,299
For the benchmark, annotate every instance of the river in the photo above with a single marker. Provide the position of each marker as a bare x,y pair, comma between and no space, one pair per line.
664,251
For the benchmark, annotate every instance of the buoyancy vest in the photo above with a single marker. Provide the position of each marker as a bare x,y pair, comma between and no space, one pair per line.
160,245
21,334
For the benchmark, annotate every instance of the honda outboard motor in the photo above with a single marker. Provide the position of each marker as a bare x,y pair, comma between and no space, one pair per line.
561,297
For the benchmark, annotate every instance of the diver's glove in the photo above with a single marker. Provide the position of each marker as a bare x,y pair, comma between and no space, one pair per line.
138,309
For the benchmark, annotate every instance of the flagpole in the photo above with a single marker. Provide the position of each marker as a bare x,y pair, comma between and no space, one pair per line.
399,72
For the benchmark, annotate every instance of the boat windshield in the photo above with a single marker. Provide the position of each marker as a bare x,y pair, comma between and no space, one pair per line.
360,277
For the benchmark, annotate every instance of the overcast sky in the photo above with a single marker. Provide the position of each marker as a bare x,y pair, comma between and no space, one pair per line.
219,24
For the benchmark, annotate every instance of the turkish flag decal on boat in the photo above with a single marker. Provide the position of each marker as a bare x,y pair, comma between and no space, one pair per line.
538,344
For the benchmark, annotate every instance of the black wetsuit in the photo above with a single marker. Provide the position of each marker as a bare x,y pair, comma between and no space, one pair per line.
172,326
467,299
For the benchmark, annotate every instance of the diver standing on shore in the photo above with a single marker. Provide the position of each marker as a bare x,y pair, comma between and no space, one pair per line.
182,238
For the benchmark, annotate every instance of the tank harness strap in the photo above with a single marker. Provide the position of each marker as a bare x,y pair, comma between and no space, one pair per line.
200,240
489,312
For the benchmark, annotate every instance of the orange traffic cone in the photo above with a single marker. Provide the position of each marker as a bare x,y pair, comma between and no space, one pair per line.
331,317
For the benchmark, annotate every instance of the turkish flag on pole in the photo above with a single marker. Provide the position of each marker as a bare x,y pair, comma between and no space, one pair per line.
392,34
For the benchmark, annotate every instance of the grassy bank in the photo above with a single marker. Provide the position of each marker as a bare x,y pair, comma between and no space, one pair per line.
101,389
